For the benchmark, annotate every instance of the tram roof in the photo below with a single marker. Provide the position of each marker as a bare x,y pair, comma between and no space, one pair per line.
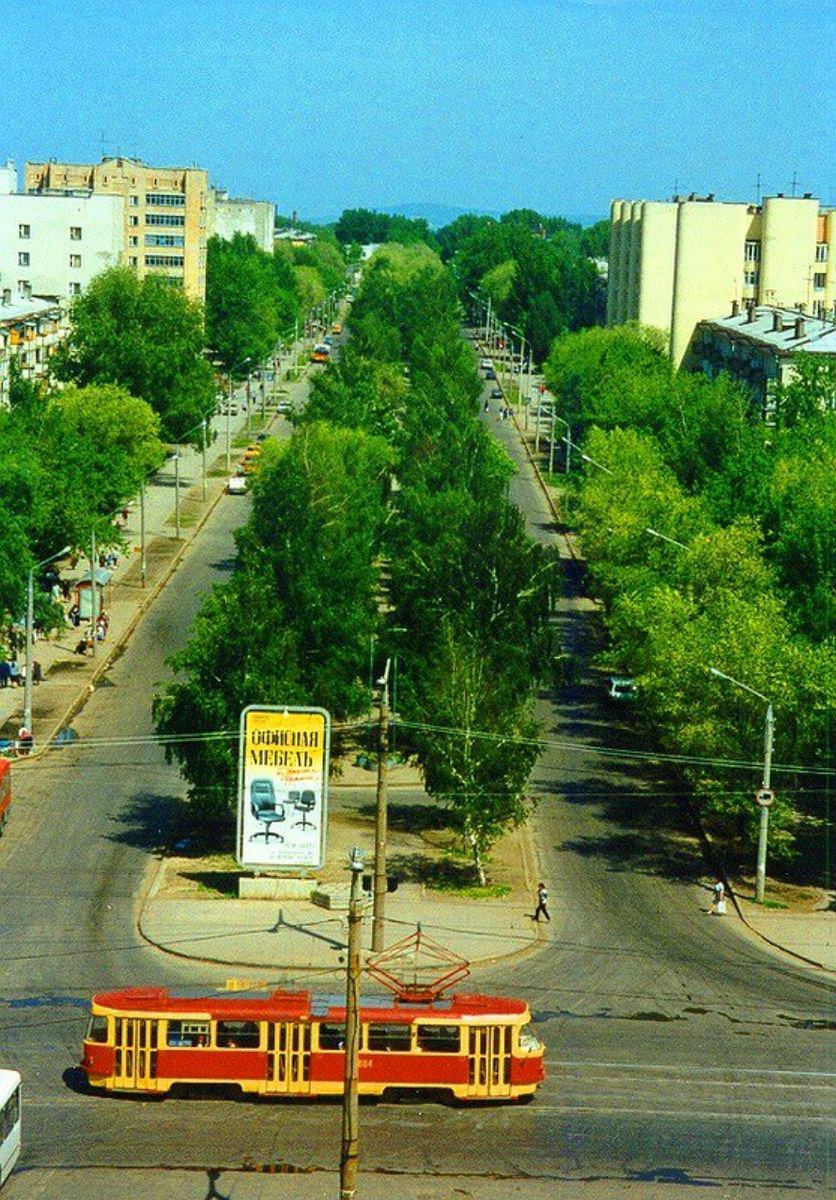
279,1004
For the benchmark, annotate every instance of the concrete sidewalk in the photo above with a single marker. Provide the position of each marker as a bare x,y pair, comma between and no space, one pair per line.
67,678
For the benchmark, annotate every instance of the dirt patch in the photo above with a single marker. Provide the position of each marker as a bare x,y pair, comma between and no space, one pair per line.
418,852
787,895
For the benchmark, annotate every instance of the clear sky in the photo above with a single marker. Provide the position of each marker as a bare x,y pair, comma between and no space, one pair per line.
556,105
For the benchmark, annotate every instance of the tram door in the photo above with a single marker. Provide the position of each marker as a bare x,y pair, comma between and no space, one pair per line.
489,1066
289,1057
136,1053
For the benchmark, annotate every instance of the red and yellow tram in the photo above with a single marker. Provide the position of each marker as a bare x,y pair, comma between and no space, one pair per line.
471,1047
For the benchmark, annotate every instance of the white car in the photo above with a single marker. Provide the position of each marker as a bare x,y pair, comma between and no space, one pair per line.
236,485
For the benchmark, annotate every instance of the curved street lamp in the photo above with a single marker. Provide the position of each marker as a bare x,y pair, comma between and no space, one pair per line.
765,794
30,620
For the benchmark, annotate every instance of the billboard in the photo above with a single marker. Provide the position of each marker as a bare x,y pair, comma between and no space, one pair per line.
282,786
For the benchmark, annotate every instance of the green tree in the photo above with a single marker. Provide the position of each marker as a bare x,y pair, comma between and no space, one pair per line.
482,744
148,338
250,297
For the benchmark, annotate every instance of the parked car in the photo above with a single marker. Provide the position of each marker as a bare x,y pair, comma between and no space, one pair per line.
485,363
236,485
490,373
620,688
496,393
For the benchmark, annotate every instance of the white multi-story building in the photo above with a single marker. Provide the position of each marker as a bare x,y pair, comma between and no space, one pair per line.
227,216
54,245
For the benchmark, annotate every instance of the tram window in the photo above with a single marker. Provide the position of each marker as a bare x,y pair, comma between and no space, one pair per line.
185,1034
242,1035
331,1036
390,1037
439,1039
97,1029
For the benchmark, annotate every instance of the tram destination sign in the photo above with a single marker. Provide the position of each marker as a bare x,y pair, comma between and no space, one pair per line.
282,787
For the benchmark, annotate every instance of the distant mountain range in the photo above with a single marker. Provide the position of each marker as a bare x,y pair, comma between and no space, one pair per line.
438,215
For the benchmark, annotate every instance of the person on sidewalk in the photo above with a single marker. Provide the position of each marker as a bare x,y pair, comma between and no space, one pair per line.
718,899
14,673
542,902
5,673
25,740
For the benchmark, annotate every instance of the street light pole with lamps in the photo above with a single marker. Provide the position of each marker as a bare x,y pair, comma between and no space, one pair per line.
765,794
229,403
351,1109
30,622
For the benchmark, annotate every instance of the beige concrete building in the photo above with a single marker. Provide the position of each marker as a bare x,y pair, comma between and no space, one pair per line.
166,223
675,263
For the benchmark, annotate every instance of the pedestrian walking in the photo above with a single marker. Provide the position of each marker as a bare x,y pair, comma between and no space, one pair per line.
542,903
14,673
718,899
4,673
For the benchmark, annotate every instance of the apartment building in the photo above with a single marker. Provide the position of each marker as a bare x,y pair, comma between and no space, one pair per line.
758,345
228,216
676,263
31,330
165,212
53,245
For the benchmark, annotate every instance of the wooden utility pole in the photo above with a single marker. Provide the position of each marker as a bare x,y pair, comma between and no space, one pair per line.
351,1106
381,826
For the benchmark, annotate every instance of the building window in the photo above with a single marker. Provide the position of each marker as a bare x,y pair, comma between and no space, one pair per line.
75,261
164,239
24,286
751,278
166,199
75,233
133,222
819,281
753,251
821,252
133,260
133,241
75,288
23,258
163,260
165,219
24,231
133,201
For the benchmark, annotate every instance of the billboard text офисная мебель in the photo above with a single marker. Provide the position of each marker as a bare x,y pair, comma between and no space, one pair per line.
283,787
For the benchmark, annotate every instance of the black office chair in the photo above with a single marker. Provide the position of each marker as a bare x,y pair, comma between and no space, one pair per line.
264,808
304,805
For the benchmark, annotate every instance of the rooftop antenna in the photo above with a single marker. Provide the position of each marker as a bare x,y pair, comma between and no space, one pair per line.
794,181
758,189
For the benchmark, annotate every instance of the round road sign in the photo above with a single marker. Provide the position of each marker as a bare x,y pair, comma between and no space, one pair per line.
765,797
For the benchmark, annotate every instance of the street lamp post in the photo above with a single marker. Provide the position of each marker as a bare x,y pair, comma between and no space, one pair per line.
351,1105
177,494
229,403
203,459
381,817
765,795
30,623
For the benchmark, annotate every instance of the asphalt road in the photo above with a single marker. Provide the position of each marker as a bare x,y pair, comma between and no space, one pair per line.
677,1052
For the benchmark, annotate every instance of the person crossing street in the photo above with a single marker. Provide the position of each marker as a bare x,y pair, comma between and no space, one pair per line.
542,903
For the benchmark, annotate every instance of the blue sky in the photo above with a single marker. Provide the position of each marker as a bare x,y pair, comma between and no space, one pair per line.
556,105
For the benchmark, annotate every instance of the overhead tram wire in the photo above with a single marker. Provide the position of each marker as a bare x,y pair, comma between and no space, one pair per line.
649,756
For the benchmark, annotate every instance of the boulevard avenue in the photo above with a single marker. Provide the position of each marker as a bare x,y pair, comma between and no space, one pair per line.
679,1054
